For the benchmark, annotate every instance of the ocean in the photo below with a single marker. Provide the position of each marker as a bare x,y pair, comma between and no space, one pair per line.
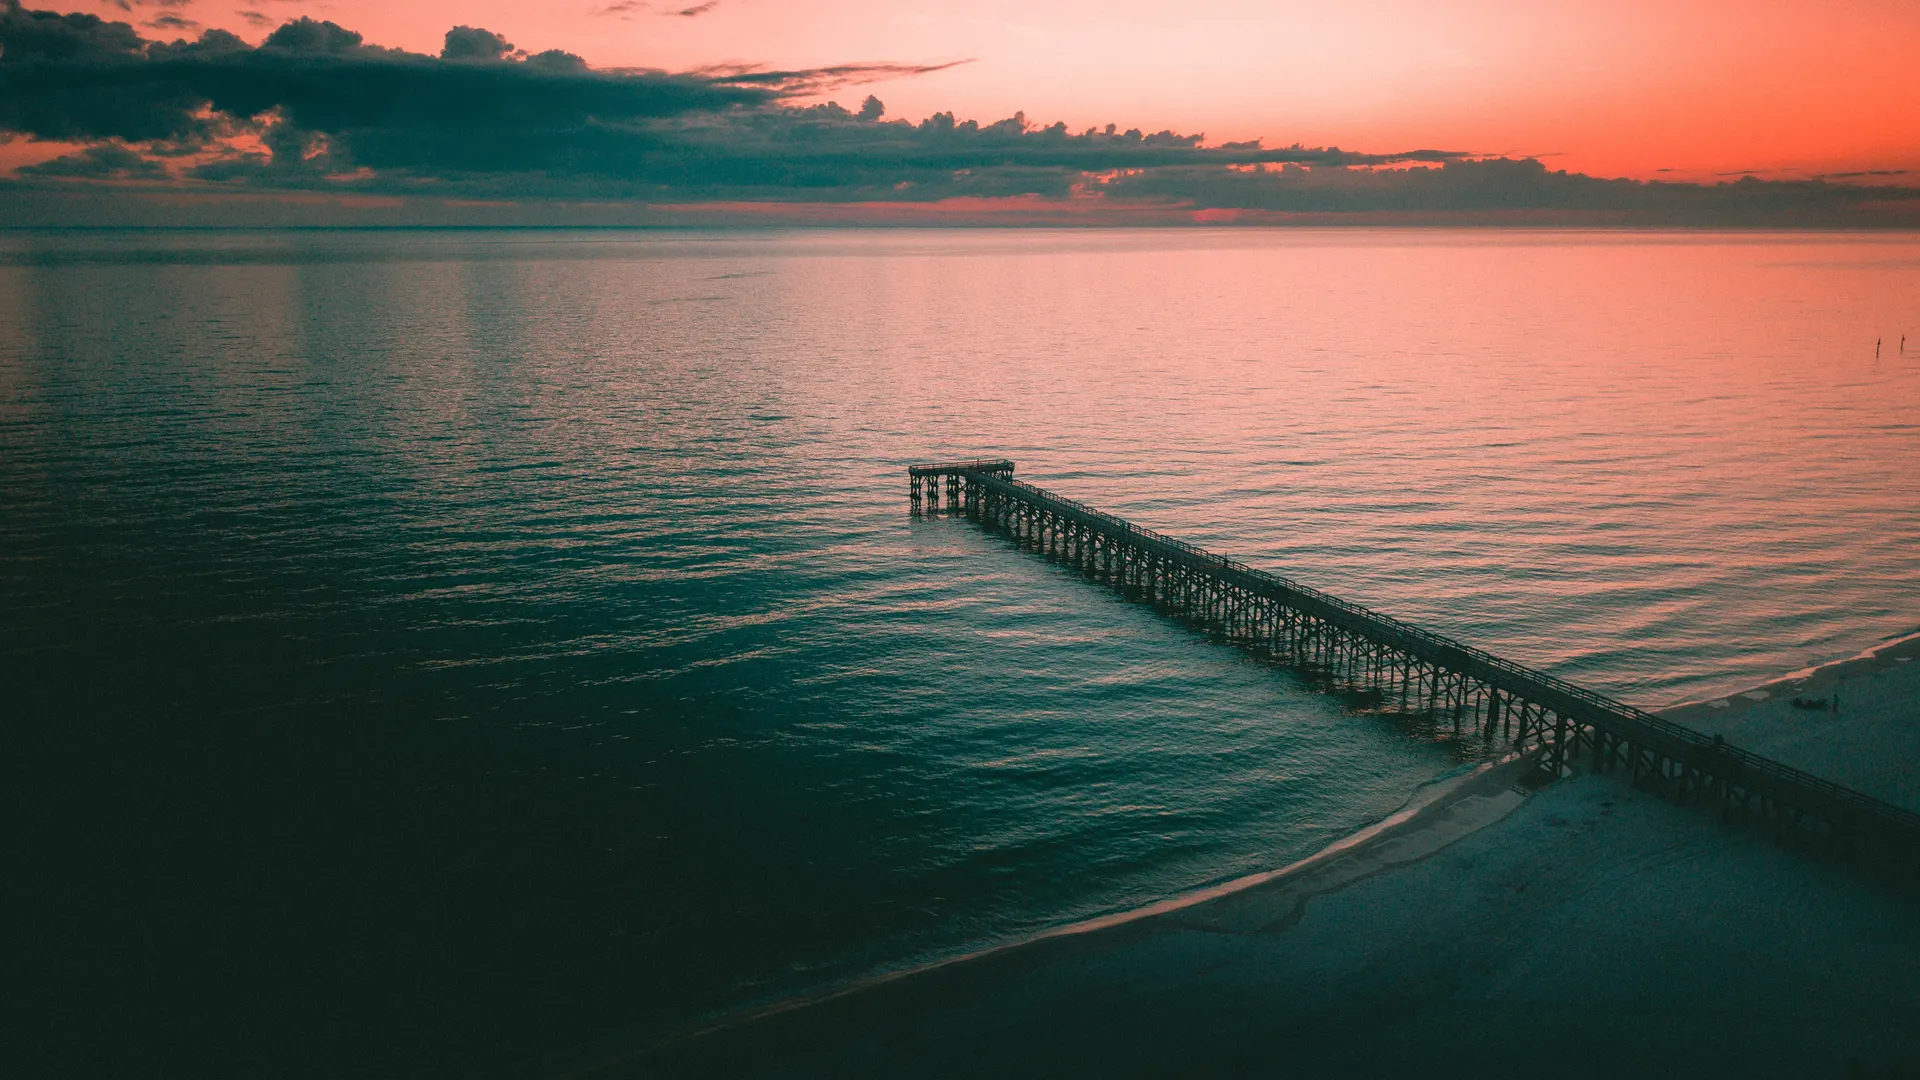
477,652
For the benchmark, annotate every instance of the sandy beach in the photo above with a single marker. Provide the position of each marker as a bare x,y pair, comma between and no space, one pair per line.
1871,743
1485,928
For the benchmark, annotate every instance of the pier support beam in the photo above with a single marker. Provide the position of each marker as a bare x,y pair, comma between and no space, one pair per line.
1357,651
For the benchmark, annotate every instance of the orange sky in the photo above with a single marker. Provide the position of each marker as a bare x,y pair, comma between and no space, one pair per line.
1623,87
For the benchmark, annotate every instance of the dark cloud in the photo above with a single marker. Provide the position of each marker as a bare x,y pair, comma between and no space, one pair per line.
817,80
1521,190
558,62
695,10
79,78
170,21
470,43
104,162
310,37
317,108
49,37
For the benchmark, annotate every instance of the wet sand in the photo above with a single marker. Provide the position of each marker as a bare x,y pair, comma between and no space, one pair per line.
1585,929
1871,744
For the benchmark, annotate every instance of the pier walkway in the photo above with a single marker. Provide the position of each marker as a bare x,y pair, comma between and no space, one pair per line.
1397,667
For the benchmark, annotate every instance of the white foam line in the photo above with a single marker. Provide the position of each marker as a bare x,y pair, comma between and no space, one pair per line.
1803,673
1430,794
1240,884
1869,654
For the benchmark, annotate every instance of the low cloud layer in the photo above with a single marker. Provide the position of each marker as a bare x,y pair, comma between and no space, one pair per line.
314,107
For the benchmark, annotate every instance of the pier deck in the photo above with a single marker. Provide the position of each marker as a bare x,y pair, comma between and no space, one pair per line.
1405,669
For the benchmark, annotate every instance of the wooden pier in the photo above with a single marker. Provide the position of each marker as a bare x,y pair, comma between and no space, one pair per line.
1401,668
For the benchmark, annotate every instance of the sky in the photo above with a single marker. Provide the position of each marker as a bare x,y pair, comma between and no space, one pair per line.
1772,114
1683,88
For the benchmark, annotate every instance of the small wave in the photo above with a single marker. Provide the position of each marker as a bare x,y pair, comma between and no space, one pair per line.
1765,689
1428,797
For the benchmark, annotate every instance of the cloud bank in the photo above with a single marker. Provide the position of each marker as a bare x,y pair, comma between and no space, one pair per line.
315,109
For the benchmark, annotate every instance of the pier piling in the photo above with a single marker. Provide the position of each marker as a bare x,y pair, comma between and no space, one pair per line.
1377,658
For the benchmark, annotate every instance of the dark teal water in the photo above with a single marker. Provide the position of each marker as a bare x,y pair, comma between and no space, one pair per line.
473,653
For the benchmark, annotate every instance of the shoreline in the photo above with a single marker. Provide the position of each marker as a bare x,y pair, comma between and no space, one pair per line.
1438,816
1866,736
1591,906
1440,813
1896,648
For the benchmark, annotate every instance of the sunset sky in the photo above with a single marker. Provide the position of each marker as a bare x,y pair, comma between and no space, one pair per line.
1614,88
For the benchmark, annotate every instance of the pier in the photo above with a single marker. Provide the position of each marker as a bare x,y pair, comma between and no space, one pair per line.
1395,667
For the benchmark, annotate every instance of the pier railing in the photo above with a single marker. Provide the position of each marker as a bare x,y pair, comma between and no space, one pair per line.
1432,672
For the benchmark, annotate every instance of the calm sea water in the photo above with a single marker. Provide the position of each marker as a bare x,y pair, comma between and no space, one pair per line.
467,653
